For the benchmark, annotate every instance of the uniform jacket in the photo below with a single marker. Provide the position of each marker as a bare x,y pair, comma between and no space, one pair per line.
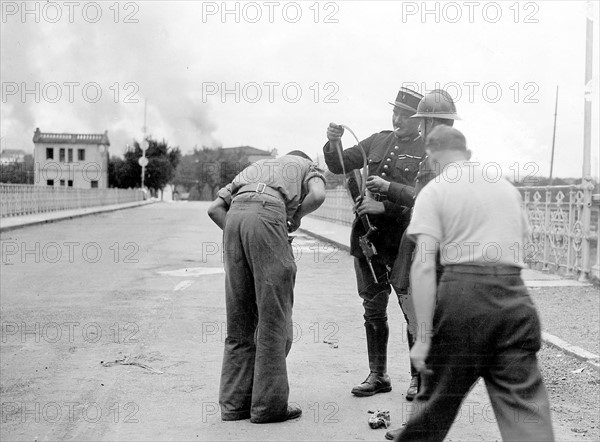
394,159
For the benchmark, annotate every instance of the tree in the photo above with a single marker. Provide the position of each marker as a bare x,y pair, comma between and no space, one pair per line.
162,163
18,173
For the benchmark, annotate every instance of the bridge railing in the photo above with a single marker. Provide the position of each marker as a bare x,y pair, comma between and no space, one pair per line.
27,199
564,237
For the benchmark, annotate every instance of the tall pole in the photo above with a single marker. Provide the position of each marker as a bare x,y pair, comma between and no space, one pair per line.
553,136
587,110
586,181
143,162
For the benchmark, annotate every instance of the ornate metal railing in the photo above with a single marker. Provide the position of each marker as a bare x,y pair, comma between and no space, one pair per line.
564,222
27,199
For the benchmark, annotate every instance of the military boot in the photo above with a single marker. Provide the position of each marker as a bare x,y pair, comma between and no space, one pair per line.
378,380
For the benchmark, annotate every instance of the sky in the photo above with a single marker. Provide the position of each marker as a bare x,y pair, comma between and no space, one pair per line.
273,75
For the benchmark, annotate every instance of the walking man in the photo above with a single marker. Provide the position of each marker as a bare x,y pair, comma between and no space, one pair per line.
393,156
484,323
256,211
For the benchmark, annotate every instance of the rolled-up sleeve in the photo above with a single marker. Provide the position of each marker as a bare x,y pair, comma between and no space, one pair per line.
225,194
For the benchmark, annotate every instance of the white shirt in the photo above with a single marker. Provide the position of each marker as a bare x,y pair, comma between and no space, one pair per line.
476,219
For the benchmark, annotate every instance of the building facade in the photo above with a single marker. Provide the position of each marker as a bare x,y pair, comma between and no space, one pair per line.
71,160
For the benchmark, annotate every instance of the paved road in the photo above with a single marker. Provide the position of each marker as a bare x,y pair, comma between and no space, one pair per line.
145,286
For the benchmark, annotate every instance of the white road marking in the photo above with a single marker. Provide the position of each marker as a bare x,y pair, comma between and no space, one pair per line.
194,272
183,285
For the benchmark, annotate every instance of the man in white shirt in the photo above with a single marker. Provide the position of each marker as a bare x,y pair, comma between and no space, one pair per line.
480,320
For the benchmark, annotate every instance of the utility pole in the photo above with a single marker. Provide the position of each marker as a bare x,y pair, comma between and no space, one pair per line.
586,181
553,137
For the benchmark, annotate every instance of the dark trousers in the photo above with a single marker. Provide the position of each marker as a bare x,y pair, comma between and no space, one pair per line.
376,296
486,326
259,281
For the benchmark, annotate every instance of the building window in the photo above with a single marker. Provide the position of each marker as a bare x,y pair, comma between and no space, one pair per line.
70,183
50,182
70,155
61,155
80,154
49,153
62,183
94,184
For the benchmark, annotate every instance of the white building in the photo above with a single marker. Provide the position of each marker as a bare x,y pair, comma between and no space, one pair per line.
71,160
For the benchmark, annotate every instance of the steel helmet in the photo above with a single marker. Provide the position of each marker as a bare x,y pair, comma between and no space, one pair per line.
437,104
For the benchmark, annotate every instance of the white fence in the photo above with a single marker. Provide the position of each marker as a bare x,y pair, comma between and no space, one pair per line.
564,220
27,199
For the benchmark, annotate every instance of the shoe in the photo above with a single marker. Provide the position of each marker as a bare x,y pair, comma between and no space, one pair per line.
393,434
375,383
293,412
413,388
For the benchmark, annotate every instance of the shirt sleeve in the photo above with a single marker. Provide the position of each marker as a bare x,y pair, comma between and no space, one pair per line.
313,171
426,219
225,194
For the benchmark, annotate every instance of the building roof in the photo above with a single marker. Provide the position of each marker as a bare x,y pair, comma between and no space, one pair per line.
46,137
6,152
249,150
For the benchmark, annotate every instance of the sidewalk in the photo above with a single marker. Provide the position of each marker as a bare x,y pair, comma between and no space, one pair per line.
339,235
16,222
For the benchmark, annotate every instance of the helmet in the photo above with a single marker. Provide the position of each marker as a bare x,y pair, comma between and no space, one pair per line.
437,104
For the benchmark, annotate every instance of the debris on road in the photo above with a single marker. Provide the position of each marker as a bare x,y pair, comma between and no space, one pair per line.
380,418
332,344
126,361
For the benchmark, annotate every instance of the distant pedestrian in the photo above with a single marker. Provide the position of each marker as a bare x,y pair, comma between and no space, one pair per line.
484,323
256,211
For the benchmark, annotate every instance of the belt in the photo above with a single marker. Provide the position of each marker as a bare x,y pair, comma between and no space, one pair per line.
260,188
483,270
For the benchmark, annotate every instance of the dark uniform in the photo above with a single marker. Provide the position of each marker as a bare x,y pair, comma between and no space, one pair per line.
396,160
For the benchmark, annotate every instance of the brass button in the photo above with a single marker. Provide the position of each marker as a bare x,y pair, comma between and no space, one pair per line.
396,147
388,159
392,153
406,170
383,174
385,167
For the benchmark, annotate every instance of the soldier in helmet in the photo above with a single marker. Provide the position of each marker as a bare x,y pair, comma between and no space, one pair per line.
393,156
435,108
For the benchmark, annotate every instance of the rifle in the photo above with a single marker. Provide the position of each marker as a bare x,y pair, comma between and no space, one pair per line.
356,185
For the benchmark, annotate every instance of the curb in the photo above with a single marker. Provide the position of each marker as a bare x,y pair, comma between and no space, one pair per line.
590,359
339,245
84,212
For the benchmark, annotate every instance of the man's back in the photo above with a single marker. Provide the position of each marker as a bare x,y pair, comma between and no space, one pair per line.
476,217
